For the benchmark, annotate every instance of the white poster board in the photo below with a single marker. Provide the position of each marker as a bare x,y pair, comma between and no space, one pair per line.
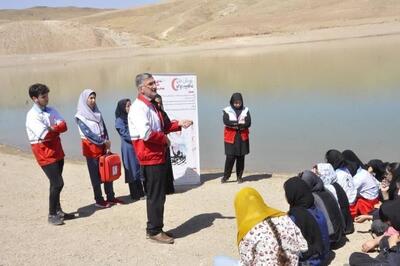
179,95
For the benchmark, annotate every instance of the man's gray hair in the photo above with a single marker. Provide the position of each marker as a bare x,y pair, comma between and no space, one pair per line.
140,78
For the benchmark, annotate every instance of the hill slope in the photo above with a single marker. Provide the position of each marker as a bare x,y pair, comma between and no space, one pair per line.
183,22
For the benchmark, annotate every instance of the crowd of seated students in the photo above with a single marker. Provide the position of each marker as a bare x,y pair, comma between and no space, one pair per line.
323,203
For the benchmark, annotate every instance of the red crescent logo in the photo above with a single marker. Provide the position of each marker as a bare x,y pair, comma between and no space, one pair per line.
173,84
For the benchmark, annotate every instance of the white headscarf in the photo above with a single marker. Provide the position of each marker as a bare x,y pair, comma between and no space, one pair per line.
327,173
328,176
83,109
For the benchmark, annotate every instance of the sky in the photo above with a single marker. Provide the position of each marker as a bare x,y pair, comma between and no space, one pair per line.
19,4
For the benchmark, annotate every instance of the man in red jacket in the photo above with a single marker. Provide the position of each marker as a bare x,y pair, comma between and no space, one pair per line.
147,131
44,125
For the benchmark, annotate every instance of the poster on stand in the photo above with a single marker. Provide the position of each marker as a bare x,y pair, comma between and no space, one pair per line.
179,95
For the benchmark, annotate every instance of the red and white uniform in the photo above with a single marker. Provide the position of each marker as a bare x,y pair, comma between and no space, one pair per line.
230,133
367,193
46,145
90,149
147,132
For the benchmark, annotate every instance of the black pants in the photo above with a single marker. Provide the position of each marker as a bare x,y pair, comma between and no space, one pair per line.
93,166
155,182
169,187
229,162
362,259
136,189
54,174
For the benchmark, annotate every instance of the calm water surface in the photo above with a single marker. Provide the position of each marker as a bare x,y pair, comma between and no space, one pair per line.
303,99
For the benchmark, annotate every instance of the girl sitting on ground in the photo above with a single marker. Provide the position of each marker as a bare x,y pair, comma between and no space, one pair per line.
266,236
389,243
309,219
366,185
326,202
327,174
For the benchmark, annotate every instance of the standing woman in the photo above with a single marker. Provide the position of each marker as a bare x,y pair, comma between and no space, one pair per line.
237,121
129,159
95,143
169,187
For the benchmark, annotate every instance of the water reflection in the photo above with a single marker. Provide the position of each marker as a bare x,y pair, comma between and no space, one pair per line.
304,98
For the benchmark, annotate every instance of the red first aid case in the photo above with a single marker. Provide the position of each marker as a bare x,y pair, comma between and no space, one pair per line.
109,167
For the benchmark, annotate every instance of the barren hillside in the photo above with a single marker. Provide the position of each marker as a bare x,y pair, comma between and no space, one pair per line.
184,22
26,37
46,13
191,21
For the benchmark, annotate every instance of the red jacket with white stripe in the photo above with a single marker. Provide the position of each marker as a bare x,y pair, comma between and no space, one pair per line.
229,132
92,132
43,128
148,134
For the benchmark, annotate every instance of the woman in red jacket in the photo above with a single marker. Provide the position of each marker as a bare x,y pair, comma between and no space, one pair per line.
95,143
237,121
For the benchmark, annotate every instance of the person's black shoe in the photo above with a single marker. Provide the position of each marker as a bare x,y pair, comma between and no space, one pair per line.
65,216
224,180
55,220
239,180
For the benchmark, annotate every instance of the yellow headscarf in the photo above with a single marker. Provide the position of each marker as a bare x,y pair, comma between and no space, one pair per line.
250,210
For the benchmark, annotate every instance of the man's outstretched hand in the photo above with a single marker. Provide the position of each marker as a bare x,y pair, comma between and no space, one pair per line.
185,123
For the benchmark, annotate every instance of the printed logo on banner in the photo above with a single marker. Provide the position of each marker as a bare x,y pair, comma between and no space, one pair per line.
178,84
184,152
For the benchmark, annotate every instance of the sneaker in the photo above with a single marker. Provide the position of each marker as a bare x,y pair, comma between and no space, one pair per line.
55,220
65,216
162,238
115,201
239,180
224,180
102,204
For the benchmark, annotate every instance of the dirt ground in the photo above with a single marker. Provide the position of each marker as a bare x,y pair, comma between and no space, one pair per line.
201,218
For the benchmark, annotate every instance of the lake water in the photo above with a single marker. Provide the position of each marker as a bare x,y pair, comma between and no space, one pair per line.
304,99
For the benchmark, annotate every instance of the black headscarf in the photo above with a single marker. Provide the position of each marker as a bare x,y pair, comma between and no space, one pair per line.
159,106
300,198
353,162
298,194
335,158
313,181
166,120
394,169
120,111
326,202
237,97
378,167
344,208
351,156
390,211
